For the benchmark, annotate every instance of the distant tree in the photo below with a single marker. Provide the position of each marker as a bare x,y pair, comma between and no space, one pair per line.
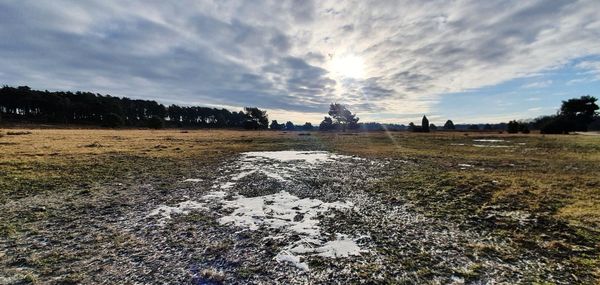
24,104
290,126
155,122
581,111
524,128
487,127
425,124
256,118
275,125
326,124
432,127
112,120
512,127
473,127
414,128
449,125
411,126
307,126
344,118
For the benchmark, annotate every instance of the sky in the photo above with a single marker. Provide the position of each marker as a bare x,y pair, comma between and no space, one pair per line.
388,61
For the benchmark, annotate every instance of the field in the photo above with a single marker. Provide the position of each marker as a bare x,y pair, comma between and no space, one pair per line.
211,206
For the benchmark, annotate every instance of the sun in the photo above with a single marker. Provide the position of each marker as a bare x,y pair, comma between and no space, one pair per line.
348,66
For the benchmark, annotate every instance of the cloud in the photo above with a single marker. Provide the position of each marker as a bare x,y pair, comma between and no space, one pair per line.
538,84
277,54
592,68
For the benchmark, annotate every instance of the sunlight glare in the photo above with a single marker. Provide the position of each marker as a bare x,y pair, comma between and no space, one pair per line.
348,66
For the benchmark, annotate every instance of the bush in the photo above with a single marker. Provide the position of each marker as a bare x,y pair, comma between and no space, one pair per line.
112,120
558,125
156,122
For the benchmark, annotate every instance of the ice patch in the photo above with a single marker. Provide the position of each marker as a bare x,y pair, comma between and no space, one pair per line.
193,180
464,165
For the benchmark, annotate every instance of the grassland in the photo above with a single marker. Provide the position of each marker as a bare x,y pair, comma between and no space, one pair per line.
49,176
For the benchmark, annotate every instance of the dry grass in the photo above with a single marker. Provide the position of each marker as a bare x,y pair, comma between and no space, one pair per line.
553,177
535,170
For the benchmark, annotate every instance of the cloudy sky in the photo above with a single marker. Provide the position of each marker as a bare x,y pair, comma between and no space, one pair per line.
390,61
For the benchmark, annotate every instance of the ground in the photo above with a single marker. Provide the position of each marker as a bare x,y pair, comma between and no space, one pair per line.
210,206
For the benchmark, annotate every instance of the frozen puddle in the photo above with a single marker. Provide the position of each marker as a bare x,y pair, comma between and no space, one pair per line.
282,212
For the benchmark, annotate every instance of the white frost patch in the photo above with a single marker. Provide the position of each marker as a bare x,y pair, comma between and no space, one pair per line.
295,260
464,165
182,208
280,210
193,180
293,216
278,165
489,140
227,185
342,246
487,145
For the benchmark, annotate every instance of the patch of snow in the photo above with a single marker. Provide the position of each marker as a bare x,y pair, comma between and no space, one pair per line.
457,144
487,145
242,175
293,259
193,180
342,246
182,208
227,185
489,140
291,215
311,157
464,165
215,195
457,280
279,210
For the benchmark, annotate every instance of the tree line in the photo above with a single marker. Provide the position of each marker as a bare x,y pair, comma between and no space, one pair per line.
576,114
22,104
